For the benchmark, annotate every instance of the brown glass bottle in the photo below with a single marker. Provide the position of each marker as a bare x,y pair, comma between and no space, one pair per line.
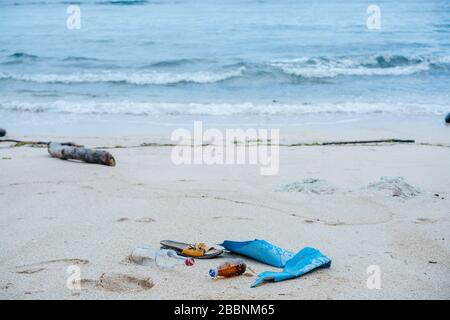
229,268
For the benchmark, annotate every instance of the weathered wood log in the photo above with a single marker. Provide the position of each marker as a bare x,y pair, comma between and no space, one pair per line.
2,132
65,152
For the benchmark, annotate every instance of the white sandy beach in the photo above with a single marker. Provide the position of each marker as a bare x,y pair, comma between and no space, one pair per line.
56,213
127,76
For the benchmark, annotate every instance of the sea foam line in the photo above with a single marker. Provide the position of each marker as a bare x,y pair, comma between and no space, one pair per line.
222,109
136,78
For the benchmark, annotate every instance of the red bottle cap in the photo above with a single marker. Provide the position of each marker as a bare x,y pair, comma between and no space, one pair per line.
189,262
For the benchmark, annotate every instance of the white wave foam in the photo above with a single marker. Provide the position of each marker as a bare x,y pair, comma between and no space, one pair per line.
322,68
441,60
222,109
331,72
388,65
137,78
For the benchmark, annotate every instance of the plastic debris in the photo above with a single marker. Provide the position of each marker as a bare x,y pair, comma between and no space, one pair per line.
165,259
303,262
230,268
260,250
295,265
197,250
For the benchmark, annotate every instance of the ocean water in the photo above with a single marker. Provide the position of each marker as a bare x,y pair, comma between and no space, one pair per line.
168,62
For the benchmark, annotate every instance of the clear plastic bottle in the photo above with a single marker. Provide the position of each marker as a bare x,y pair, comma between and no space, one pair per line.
165,259
230,268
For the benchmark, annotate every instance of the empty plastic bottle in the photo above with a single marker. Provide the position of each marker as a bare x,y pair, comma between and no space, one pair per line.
165,259
229,268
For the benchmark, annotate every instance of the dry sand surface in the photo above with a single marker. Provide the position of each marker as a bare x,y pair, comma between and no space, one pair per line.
55,214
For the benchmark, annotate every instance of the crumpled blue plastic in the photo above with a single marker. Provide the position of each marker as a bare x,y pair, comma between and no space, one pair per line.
303,262
295,265
260,250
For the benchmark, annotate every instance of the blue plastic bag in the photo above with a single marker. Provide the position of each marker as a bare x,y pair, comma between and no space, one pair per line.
260,250
303,262
295,265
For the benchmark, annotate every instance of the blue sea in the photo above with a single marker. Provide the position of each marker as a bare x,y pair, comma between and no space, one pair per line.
254,62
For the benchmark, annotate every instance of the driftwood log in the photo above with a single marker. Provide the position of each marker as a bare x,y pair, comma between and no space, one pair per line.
66,152
2,132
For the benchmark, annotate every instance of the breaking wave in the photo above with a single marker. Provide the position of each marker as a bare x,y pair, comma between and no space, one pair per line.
157,73
221,109
322,67
136,78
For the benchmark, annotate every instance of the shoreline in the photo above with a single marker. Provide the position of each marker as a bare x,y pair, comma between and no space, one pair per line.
121,131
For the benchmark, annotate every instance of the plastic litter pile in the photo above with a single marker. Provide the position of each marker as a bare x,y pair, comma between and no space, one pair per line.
178,254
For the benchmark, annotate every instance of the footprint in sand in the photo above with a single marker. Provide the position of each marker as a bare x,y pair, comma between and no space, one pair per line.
45,193
31,292
233,218
139,220
6,286
40,266
424,221
117,283
30,270
145,220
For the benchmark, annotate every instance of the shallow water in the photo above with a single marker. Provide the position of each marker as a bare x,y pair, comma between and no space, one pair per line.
251,61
